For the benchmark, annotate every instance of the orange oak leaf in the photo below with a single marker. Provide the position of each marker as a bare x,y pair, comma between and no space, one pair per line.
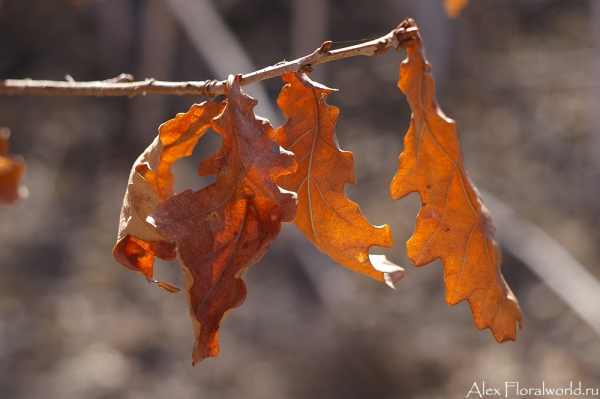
454,7
227,226
12,170
453,224
151,183
332,222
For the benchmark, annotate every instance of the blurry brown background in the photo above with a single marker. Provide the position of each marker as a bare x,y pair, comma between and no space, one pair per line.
521,77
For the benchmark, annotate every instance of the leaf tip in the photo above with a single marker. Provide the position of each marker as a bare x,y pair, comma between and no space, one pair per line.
169,287
392,273
392,278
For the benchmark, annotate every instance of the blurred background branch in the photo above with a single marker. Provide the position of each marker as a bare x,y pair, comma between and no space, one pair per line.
553,264
220,47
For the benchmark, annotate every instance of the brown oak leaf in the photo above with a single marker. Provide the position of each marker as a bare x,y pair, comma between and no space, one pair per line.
332,222
12,170
151,183
453,224
227,226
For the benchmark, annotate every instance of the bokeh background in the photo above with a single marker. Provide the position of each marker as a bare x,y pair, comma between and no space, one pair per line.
521,77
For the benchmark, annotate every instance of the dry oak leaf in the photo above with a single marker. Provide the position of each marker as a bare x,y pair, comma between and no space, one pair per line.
332,222
151,183
227,226
454,7
12,170
453,224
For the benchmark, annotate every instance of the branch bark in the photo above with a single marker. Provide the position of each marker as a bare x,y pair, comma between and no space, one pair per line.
123,85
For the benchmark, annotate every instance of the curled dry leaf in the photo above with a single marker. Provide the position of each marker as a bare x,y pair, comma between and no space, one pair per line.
151,183
227,226
12,170
453,224
332,222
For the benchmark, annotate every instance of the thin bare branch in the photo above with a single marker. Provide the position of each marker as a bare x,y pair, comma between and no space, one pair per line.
103,88
399,38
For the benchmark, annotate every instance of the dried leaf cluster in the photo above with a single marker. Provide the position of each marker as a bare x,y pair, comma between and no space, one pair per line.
297,174
12,171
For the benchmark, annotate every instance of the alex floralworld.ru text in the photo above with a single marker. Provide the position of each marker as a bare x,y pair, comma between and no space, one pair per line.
512,388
